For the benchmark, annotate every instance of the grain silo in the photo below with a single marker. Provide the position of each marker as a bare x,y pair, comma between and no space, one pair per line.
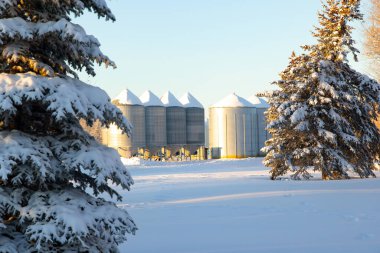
231,128
175,125
260,134
195,126
132,108
155,125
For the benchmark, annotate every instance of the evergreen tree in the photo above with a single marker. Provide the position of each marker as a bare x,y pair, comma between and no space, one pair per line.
51,170
372,39
321,118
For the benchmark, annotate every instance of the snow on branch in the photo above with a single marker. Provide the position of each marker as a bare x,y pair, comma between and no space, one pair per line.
82,43
14,242
299,114
71,217
60,8
64,98
68,217
25,159
5,4
7,206
92,165
18,27
77,7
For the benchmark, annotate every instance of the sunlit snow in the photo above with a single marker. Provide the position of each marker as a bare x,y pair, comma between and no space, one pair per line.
231,206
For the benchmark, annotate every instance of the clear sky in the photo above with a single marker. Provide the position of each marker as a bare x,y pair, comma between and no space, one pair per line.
208,47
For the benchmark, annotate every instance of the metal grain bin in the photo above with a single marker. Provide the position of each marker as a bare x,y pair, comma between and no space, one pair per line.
260,133
195,127
175,124
207,139
155,123
132,108
195,120
119,141
231,128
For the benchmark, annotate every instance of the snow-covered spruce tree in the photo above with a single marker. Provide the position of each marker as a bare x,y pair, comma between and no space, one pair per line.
51,170
372,39
321,118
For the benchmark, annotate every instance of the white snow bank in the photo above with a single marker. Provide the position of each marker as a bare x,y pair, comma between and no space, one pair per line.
231,206
131,161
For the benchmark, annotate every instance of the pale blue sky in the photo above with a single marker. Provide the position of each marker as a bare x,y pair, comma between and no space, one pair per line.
208,47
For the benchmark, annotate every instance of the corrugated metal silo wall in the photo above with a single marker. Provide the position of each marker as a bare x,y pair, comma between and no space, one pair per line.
155,127
263,134
213,134
136,116
207,133
195,126
255,133
128,146
119,141
176,126
230,132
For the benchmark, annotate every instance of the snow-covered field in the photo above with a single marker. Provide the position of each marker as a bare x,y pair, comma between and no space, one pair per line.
231,206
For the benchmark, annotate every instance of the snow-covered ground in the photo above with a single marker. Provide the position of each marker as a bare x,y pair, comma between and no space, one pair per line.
231,206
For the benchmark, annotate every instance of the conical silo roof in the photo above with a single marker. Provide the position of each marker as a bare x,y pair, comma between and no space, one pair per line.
126,97
258,102
189,101
149,99
169,100
232,100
